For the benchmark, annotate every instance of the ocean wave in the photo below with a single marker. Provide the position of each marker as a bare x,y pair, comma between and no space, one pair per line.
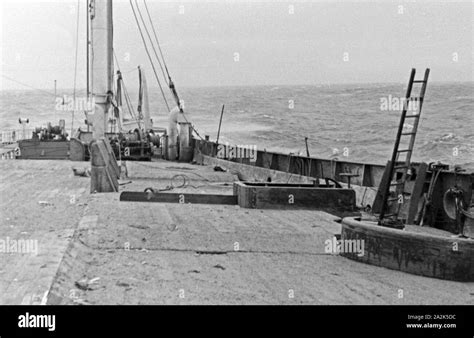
338,115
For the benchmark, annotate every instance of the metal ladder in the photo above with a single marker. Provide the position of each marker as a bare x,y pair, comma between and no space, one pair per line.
397,165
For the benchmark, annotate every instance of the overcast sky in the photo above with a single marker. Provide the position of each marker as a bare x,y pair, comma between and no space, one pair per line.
310,42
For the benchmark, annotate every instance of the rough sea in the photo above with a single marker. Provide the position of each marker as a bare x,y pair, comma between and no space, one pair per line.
351,122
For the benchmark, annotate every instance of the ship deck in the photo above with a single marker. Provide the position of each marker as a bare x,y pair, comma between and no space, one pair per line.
153,253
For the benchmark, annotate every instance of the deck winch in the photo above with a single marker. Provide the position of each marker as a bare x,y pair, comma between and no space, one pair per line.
135,145
51,133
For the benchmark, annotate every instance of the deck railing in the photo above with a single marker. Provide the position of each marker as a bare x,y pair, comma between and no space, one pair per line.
12,136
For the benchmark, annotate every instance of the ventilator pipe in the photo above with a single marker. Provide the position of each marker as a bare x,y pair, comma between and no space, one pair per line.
173,134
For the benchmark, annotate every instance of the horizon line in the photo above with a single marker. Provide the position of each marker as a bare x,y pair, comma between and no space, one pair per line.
324,84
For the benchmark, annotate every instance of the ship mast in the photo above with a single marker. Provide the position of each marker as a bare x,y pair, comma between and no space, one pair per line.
102,178
87,49
101,63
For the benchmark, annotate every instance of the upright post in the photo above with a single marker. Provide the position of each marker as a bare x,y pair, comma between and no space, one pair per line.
102,85
220,122
102,63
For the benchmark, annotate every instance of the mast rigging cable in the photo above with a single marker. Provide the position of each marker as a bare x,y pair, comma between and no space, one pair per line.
168,81
149,56
152,44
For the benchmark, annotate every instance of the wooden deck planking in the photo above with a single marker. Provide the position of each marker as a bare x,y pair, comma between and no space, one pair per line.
148,253
26,278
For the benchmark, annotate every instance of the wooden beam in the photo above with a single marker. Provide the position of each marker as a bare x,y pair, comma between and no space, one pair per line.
278,196
182,198
313,198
